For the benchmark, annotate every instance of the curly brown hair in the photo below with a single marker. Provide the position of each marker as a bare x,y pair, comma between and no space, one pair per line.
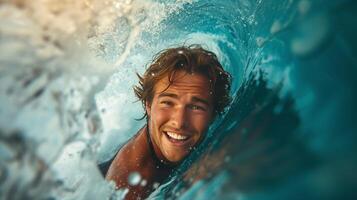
192,59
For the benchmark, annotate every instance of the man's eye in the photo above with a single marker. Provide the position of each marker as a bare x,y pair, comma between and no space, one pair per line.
167,103
196,107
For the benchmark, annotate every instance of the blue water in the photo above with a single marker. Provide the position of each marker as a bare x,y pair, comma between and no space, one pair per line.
290,131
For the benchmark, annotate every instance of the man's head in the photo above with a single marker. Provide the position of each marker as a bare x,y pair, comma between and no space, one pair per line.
182,91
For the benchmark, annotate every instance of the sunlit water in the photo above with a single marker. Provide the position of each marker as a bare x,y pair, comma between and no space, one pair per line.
66,103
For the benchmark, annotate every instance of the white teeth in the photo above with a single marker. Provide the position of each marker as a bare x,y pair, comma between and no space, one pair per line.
176,136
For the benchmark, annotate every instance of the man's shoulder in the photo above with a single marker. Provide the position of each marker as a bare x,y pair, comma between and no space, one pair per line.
130,156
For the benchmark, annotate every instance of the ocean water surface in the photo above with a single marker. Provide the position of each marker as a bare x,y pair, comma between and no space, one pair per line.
67,69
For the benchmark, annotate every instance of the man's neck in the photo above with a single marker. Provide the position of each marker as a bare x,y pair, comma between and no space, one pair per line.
156,154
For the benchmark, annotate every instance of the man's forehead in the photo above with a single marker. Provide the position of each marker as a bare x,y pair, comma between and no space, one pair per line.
195,88
190,82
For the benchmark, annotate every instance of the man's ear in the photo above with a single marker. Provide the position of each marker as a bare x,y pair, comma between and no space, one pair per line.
148,108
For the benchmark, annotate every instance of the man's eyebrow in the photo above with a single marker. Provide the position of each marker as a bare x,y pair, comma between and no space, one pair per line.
194,99
166,94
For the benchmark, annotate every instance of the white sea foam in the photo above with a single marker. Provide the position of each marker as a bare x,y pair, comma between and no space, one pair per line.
55,56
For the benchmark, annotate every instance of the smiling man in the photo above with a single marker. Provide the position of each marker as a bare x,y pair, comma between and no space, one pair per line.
182,91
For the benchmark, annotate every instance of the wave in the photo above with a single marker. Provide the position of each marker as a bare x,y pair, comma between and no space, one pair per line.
66,69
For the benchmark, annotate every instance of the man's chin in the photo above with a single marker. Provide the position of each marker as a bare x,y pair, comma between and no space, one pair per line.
175,158
175,153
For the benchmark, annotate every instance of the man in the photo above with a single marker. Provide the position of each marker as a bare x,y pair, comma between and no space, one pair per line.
182,91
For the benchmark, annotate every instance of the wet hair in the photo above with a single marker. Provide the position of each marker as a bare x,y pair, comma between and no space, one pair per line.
191,59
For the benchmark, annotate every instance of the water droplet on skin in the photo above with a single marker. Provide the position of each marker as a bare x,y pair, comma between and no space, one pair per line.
152,74
155,185
134,178
143,183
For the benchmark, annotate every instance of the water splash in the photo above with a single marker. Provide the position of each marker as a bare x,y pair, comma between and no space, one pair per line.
134,178
66,68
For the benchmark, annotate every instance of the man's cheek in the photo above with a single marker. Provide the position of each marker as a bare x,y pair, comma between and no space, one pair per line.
158,117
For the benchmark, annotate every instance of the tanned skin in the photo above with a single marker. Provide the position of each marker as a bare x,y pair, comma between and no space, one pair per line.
136,154
178,117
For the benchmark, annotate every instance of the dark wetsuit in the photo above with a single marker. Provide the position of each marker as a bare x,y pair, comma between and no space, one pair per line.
104,167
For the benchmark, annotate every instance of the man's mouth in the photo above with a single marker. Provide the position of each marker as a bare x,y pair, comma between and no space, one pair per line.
176,138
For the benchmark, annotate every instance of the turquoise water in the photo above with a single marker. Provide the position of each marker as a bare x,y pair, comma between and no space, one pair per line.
290,132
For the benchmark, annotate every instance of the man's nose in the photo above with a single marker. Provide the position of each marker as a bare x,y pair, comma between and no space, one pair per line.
179,118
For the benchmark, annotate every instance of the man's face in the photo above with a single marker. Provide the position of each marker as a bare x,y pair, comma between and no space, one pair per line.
179,115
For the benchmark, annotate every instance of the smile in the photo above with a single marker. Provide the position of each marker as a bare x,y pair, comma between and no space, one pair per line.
176,138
